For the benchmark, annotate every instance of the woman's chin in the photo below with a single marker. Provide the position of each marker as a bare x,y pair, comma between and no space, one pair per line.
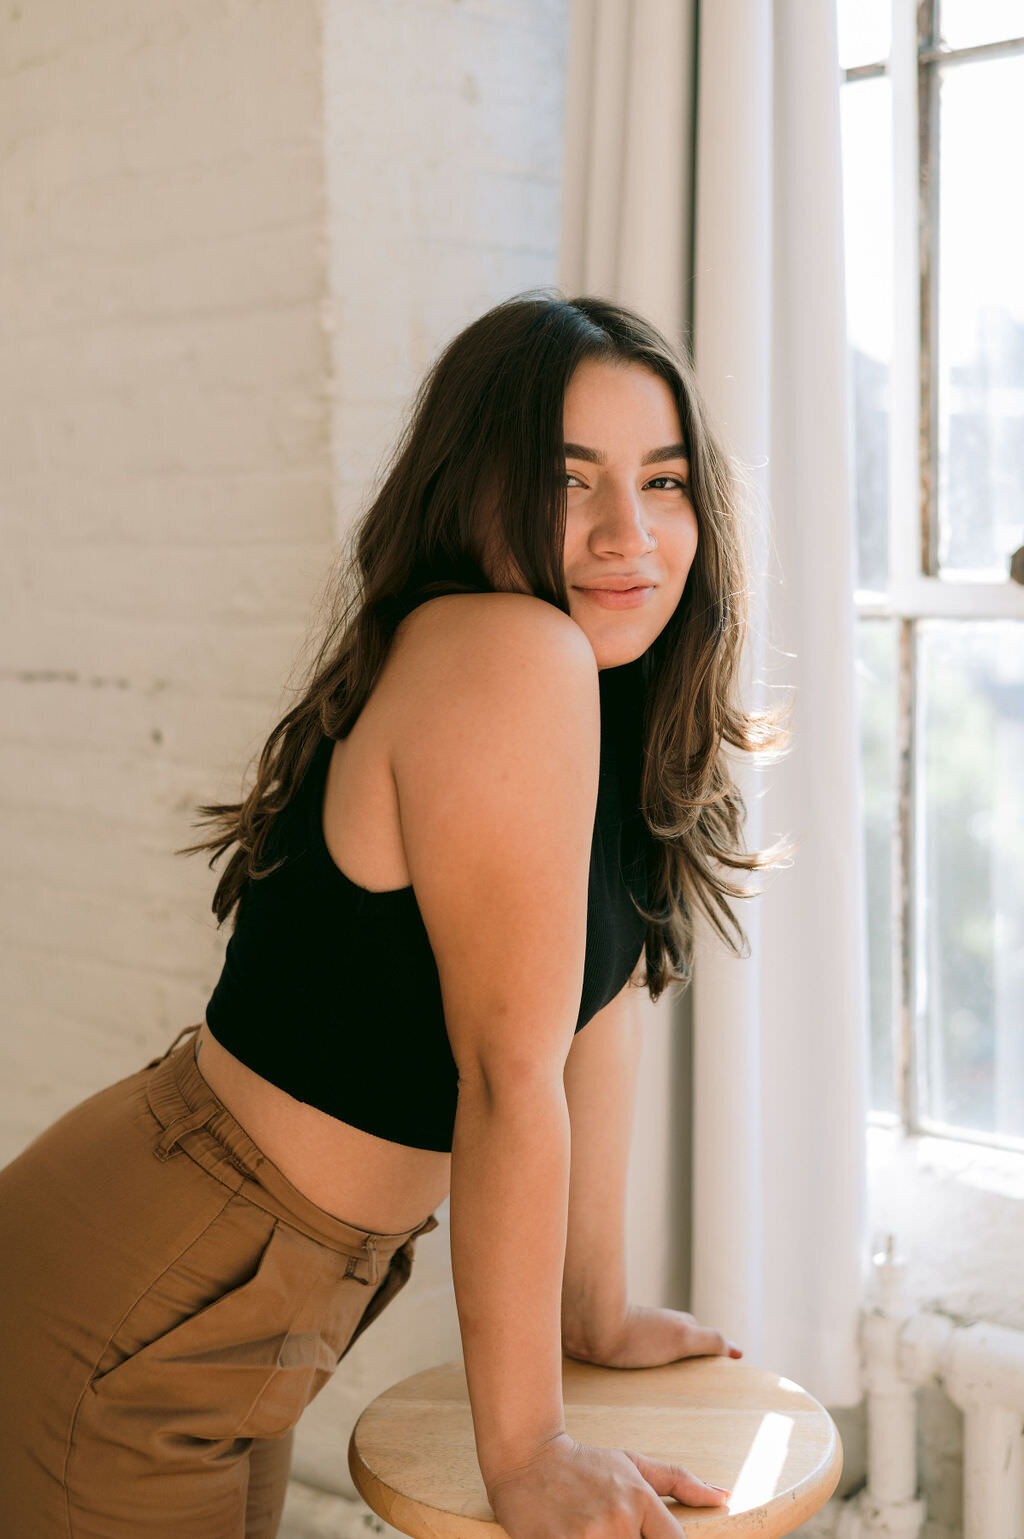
617,642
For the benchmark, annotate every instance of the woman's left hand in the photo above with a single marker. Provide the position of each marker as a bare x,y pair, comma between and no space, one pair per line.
651,1337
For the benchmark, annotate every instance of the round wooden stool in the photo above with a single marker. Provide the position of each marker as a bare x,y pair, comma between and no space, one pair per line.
762,1437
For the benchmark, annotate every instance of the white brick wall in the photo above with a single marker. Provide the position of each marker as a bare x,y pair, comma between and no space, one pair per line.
445,135
235,236
166,496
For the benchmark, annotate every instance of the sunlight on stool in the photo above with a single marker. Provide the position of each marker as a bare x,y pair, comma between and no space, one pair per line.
762,1437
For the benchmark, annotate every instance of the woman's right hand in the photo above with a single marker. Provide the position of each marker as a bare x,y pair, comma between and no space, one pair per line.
570,1490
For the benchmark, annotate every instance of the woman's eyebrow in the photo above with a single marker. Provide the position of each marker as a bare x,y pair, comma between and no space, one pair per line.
652,457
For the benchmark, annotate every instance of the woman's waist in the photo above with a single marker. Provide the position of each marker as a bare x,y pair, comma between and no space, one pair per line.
356,1176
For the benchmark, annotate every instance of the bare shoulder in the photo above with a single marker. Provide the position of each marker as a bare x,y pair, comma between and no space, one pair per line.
509,649
497,621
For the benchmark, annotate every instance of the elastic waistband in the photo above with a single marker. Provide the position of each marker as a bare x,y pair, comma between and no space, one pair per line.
196,1122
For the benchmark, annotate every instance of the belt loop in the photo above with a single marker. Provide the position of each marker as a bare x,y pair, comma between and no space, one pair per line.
352,1269
370,1245
187,1123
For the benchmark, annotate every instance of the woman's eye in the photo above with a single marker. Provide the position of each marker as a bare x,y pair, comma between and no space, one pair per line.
682,485
672,480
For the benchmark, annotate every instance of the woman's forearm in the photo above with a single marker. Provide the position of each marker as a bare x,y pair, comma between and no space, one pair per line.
600,1089
509,1200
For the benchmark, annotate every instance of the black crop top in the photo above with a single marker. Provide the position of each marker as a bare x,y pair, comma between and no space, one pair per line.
331,991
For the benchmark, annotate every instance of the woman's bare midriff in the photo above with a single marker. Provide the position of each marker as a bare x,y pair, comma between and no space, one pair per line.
365,1180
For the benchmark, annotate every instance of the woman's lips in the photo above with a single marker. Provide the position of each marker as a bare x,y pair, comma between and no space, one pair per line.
618,598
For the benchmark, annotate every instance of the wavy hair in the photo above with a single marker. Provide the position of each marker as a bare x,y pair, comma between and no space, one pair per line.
489,414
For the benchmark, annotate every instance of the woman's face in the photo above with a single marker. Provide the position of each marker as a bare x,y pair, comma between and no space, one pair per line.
630,529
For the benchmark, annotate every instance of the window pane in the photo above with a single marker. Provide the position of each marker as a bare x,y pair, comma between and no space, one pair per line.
866,122
980,376
877,642
963,22
864,28
970,875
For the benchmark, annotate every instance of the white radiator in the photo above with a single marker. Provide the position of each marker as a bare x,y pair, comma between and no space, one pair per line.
981,1368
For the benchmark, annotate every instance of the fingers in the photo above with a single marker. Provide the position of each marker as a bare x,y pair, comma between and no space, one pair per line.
717,1344
675,1481
711,1343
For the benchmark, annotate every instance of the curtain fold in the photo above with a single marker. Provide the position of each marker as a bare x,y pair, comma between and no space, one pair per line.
779,1249
780,1039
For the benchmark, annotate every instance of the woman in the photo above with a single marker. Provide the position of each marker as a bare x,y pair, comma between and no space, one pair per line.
501,794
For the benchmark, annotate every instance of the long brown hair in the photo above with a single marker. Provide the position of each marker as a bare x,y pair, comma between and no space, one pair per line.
489,414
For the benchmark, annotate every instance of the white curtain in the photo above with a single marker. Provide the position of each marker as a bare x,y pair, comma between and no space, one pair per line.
779,1246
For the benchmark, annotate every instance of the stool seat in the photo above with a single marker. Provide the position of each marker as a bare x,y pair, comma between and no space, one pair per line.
762,1437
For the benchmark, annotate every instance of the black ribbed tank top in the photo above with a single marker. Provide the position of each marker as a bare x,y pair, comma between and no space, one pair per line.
331,991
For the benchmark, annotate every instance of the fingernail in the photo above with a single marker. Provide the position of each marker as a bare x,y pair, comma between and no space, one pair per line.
717,1488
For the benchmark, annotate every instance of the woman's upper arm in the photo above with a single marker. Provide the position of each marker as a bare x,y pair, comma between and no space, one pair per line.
496,767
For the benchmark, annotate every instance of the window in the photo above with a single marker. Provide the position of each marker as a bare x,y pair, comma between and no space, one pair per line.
932,114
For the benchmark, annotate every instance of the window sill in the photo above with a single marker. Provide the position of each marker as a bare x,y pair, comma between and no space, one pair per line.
980,1166
956,1211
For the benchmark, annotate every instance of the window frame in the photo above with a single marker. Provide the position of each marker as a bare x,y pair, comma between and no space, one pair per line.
915,591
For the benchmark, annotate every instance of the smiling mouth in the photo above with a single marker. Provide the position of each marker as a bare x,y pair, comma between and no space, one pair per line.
618,598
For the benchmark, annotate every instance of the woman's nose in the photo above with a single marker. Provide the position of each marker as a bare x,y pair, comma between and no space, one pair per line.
621,527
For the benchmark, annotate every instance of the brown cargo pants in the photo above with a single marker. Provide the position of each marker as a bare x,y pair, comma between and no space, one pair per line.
169,1305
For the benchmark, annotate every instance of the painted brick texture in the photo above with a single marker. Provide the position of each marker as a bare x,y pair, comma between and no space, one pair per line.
165,441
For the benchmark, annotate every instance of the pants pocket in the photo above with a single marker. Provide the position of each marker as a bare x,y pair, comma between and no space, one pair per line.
227,1346
223,1351
241,1363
